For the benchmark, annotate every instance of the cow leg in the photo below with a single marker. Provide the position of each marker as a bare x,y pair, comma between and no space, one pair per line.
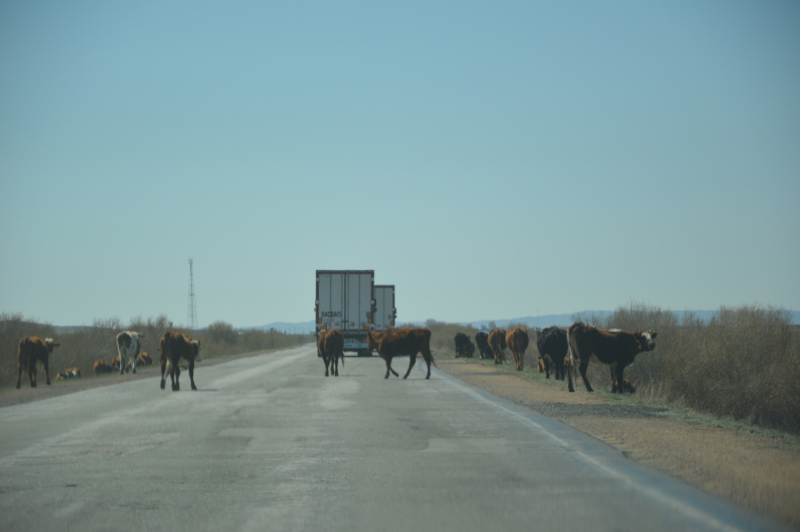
547,365
616,377
47,371
335,366
163,370
582,368
428,359
121,364
191,374
20,369
411,361
326,361
389,368
133,363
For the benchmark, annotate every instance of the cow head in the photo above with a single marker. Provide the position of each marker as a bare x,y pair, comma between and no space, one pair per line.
646,340
50,346
196,349
373,344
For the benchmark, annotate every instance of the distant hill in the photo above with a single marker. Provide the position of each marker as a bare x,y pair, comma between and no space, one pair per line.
540,322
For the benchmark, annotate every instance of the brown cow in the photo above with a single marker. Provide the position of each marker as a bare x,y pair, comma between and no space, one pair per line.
33,349
464,346
176,346
615,349
401,342
517,341
330,346
115,364
497,341
102,367
144,359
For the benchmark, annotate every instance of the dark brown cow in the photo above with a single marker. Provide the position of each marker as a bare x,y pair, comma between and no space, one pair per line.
144,359
517,341
330,346
401,342
482,341
464,346
552,345
33,349
101,366
176,346
497,341
615,349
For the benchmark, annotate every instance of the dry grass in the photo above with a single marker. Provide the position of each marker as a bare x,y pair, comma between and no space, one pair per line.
744,364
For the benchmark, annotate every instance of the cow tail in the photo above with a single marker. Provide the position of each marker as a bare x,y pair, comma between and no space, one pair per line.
572,352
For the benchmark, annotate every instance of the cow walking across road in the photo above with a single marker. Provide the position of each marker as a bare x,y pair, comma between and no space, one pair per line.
482,341
402,342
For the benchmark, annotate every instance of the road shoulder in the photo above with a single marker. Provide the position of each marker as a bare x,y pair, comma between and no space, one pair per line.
749,470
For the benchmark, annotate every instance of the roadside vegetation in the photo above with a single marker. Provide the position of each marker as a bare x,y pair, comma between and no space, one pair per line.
743,364
82,346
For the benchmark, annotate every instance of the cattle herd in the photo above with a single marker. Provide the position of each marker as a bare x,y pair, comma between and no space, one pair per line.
565,350
174,347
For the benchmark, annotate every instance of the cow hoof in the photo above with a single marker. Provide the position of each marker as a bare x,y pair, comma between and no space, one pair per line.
194,387
162,385
134,372
33,385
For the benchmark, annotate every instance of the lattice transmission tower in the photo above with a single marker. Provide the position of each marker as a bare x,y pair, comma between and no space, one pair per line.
192,304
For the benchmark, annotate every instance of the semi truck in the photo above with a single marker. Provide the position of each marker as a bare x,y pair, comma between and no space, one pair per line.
346,301
385,311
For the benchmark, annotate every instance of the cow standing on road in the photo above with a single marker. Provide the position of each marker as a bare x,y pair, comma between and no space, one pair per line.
31,350
176,346
128,345
330,346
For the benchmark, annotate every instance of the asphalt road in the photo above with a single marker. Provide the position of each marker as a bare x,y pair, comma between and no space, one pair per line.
268,443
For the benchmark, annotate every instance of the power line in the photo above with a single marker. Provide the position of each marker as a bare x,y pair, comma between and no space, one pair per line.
192,304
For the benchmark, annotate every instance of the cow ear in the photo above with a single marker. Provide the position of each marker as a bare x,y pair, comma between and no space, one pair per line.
653,334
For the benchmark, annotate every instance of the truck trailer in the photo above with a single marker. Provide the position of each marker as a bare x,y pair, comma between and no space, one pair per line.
385,311
346,301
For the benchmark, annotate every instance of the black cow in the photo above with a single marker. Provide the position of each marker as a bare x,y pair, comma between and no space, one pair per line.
464,346
482,340
552,345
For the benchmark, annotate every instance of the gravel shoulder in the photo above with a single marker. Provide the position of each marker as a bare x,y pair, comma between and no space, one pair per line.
754,471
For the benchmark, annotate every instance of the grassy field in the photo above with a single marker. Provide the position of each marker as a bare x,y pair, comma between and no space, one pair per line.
742,365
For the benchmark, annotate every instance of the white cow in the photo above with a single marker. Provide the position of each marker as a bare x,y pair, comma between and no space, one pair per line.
128,343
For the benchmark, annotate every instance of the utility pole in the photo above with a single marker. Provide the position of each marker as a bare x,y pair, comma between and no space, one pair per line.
192,304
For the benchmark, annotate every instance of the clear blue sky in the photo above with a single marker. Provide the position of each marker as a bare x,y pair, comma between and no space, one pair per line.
491,159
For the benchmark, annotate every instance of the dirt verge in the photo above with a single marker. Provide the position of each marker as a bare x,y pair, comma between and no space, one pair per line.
753,471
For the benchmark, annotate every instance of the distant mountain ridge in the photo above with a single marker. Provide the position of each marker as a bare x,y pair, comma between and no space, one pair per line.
540,322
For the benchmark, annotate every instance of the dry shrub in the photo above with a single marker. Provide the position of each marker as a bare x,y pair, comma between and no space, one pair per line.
744,363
